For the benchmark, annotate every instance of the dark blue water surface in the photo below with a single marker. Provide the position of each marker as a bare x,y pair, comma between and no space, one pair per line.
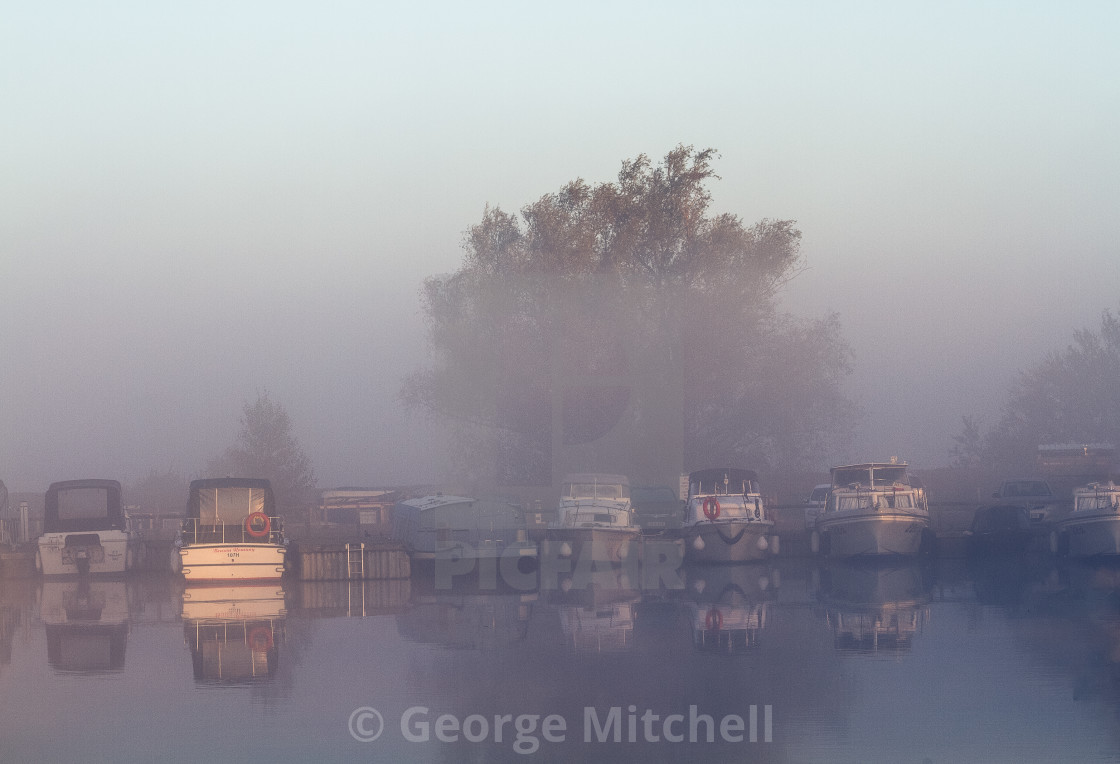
945,662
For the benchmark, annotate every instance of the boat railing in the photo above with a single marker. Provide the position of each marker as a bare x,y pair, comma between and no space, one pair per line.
1097,498
196,531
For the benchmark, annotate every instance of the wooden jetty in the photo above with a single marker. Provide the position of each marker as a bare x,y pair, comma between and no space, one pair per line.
353,561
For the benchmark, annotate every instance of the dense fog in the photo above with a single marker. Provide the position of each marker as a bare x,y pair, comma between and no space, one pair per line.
193,210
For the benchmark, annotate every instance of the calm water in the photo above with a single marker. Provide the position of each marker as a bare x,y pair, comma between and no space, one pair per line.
942,663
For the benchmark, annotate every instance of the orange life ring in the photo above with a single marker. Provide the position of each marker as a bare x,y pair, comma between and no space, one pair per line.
711,507
714,620
256,529
259,638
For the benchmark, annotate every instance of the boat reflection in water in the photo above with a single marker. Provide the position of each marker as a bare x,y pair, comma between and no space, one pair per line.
87,624
727,606
234,631
599,617
872,608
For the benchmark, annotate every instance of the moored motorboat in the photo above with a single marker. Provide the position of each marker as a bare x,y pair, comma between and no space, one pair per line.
454,527
1092,529
595,520
725,519
231,532
874,510
85,530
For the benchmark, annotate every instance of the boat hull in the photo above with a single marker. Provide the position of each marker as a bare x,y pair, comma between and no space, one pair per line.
872,535
596,544
1092,536
728,542
232,562
87,553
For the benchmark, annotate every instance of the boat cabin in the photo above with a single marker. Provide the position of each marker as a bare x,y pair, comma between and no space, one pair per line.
231,510
595,500
593,486
871,475
722,482
723,494
76,506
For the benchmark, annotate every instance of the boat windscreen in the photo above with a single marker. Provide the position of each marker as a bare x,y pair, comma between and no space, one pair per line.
229,505
83,504
595,491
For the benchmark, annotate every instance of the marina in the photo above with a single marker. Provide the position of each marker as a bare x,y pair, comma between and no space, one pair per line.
421,642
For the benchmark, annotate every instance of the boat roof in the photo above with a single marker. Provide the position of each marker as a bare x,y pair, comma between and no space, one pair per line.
353,491
1112,484
716,474
596,477
869,465
63,485
230,482
424,503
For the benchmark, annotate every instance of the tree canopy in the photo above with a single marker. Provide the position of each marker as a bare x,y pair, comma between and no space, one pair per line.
615,302
266,448
1070,396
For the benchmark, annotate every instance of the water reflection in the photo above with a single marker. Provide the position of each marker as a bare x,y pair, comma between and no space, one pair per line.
727,605
469,618
600,616
1031,650
86,623
15,603
874,607
234,632
350,599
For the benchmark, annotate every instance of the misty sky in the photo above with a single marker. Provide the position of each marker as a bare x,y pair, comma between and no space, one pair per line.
203,200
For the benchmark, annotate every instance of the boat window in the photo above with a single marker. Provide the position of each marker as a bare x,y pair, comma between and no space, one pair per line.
847,477
229,505
819,494
887,476
83,503
853,502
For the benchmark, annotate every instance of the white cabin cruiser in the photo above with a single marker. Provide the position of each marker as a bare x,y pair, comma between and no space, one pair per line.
1093,527
231,532
724,518
595,520
873,510
85,530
